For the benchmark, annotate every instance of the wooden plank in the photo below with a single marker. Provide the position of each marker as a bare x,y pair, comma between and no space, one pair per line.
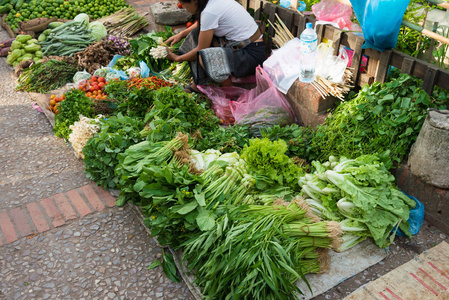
258,11
301,25
320,32
357,59
424,277
384,63
288,21
272,17
430,79
407,65
337,40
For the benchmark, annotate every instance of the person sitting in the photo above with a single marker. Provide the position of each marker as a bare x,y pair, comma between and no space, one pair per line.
226,40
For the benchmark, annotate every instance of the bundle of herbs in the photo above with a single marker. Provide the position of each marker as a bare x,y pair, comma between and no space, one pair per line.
360,193
117,133
76,103
383,118
143,45
47,76
259,252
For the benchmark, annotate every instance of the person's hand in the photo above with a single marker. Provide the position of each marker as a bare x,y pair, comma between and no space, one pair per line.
174,39
171,55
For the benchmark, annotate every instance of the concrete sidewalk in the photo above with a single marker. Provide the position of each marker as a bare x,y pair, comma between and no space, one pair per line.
61,236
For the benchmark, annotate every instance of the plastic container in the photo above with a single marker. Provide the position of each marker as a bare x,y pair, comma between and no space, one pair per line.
288,4
307,50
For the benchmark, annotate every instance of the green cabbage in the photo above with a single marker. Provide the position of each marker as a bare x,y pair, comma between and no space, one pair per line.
82,18
98,31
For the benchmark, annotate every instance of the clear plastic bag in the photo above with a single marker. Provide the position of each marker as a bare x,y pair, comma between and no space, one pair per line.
262,106
329,66
133,72
283,65
81,75
333,11
102,72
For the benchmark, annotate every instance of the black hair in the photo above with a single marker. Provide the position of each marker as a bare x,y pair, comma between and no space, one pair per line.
201,5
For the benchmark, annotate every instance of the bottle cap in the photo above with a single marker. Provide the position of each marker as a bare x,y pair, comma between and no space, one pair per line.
309,25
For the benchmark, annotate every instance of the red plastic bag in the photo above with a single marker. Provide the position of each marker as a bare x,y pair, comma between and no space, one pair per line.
262,106
221,98
333,11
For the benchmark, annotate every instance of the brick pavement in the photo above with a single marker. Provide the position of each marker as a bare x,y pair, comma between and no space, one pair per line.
43,215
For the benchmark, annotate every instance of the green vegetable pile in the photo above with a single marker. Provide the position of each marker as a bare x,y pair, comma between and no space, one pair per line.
384,119
20,10
75,104
47,76
116,134
142,45
363,192
24,48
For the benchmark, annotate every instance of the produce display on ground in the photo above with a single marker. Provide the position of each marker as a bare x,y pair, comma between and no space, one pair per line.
253,209
20,10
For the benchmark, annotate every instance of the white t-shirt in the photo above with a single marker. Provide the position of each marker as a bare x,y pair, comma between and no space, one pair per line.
229,19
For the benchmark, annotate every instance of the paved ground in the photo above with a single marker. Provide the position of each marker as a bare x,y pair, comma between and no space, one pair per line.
61,237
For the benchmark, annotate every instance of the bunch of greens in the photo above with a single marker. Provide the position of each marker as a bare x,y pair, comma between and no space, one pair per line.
142,45
139,156
258,252
363,192
76,103
46,76
230,139
383,118
117,133
267,161
126,62
177,111
297,137
132,102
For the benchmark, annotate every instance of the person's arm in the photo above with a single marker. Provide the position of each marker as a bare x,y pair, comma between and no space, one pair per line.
179,36
204,41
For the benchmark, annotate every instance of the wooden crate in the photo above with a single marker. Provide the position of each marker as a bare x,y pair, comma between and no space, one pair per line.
378,62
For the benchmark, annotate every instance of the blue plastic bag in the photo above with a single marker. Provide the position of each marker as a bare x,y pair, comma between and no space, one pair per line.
114,61
144,70
380,21
416,218
288,3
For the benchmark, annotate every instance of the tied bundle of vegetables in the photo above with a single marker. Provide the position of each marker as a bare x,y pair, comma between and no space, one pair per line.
133,161
124,23
46,76
249,254
362,191
67,39
178,72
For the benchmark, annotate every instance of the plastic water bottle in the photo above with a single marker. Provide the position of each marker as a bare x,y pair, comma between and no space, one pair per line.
307,53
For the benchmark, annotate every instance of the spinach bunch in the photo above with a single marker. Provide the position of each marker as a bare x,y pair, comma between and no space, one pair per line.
75,104
117,133
177,111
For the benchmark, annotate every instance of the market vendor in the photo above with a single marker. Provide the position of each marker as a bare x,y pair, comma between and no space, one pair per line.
225,40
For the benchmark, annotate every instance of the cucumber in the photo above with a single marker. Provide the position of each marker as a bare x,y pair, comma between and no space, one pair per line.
42,37
53,25
47,31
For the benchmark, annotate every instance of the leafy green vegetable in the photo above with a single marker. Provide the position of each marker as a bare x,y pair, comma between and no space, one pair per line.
361,190
75,104
267,159
117,133
383,118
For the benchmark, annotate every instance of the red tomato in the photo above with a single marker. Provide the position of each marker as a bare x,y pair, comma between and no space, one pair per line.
189,24
101,79
94,78
91,89
96,87
101,84
179,5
